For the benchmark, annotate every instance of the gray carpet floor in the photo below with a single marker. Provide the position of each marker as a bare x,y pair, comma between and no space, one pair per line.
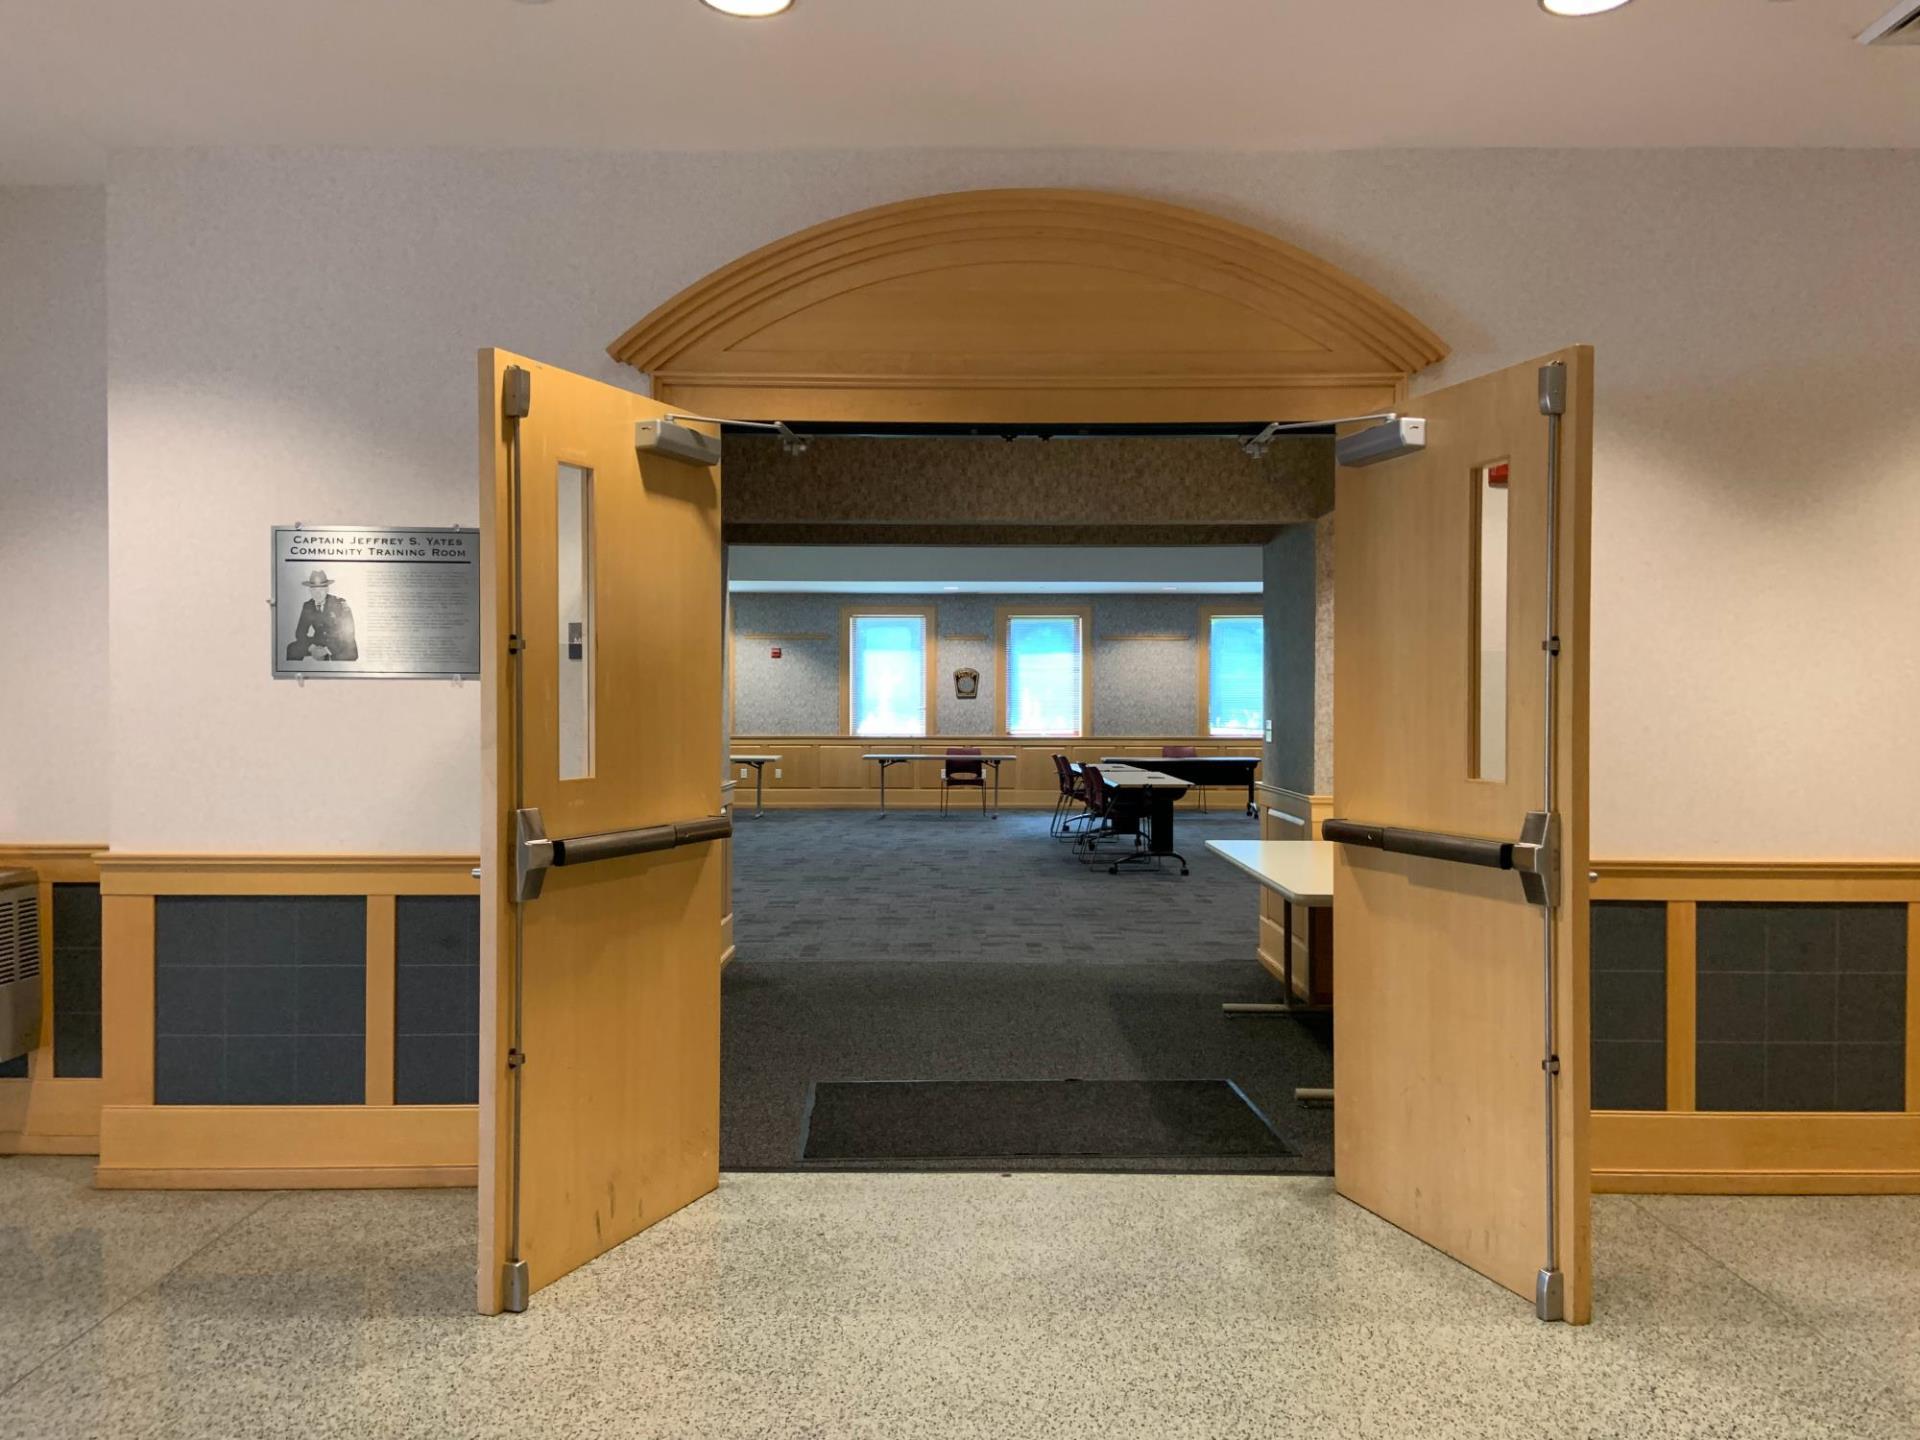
917,948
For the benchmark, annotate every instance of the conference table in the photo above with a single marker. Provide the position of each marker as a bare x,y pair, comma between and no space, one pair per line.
759,764
1148,792
1300,871
1203,770
887,759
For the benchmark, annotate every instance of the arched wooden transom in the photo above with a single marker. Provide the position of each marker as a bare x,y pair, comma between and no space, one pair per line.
1029,305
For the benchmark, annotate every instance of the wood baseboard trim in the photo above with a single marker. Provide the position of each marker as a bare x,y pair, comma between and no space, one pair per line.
1754,1153
1860,882
1756,1182
168,874
15,1142
253,1147
343,1177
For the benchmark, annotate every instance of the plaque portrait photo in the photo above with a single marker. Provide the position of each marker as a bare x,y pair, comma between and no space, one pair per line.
375,603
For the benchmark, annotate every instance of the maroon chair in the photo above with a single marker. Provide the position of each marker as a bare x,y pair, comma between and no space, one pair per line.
1185,752
958,774
1072,792
1099,809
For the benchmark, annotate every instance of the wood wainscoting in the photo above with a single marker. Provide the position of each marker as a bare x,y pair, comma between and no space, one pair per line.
1292,815
47,1114
143,1145
825,772
1686,1150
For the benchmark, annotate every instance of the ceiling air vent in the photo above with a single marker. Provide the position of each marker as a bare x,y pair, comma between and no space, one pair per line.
1899,26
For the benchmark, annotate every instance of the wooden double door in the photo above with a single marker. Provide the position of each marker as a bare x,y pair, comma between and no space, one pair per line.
1460,584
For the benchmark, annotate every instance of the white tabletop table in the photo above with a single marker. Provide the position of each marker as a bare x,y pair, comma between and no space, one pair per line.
887,759
1302,872
759,764
1201,770
1157,790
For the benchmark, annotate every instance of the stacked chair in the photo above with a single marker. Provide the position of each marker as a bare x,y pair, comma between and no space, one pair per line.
1073,792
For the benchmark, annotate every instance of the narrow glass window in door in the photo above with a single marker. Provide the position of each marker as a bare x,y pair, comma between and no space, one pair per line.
1488,691
573,574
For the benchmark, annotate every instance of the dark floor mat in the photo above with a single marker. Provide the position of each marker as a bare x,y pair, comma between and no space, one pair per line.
921,1120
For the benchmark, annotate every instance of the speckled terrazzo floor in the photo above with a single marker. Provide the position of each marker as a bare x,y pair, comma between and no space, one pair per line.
910,1305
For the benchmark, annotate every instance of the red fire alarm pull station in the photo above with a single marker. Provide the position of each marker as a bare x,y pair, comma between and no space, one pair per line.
776,652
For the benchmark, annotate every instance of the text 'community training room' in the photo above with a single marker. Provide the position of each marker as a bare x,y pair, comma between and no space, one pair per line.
738,719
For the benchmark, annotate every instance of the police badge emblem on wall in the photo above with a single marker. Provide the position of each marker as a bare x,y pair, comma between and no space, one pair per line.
966,683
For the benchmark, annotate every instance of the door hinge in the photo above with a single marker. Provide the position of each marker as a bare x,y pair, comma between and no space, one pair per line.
1553,388
1536,855
515,645
1550,1295
516,393
515,1059
514,1287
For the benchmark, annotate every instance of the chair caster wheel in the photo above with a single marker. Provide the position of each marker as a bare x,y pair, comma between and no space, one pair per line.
1113,869
1184,870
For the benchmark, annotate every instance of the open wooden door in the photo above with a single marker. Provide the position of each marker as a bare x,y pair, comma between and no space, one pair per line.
602,888
1444,1060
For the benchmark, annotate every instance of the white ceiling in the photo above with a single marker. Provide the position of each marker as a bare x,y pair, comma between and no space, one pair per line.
82,78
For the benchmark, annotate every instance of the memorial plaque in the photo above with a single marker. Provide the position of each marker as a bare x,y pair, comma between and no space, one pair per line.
362,602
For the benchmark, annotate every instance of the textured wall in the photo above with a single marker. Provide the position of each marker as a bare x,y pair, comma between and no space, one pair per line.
1323,655
1291,668
53,514
1144,656
291,336
1106,481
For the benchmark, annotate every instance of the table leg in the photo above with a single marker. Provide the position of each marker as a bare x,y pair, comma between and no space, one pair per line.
1290,1007
759,790
883,788
996,789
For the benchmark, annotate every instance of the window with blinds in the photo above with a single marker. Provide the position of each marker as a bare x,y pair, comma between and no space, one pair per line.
887,672
1044,659
1236,675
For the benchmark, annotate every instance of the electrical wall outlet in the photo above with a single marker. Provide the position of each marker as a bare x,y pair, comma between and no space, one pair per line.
776,772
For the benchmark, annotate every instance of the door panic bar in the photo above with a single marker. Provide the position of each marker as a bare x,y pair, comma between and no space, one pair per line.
534,854
1535,856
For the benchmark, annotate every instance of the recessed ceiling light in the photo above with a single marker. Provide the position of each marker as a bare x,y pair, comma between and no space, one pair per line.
1573,9
749,9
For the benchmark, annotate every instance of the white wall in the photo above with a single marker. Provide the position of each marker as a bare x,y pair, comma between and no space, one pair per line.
292,337
53,515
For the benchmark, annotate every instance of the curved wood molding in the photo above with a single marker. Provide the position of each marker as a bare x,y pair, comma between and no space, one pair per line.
1029,305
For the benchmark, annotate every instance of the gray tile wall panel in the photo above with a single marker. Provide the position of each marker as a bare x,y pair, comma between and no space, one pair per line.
76,980
260,1000
1802,1007
1628,974
436,1057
